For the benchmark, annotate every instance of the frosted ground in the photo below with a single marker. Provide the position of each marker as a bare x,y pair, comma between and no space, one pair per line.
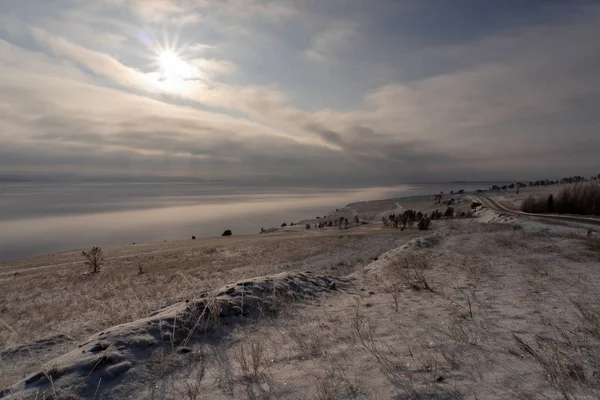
493,307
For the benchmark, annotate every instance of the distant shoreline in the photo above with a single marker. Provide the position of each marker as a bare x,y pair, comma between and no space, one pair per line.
43,219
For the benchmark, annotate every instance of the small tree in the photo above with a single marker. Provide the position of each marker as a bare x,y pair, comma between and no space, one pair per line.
356,219
307,226
550,205
93,259
449,212
424,224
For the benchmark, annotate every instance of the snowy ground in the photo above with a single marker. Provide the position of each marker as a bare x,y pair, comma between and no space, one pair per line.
489,308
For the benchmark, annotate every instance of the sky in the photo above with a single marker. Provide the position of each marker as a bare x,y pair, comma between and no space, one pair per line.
300,92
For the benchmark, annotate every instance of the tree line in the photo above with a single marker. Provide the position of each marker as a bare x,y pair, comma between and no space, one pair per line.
545,182
410,218
579,198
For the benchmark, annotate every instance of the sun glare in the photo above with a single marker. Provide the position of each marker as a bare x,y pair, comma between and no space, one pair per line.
172,69
171,65
173,73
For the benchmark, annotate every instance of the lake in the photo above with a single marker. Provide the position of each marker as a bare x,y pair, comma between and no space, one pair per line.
41,218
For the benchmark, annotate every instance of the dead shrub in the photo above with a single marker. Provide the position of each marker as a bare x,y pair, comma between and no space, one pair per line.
464,331
590,318
560,371
250,357
93,259
192,387
410,269
394,289
334,385
308,340
388,360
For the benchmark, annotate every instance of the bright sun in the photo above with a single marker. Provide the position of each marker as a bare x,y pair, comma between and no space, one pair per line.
171,66
174,73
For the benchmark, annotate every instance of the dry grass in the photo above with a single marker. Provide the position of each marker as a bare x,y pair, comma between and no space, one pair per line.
410,269
192,387
593,243
506,320
250,358
44,302
40,302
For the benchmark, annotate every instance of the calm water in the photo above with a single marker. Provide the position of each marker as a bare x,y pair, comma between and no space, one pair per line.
40,218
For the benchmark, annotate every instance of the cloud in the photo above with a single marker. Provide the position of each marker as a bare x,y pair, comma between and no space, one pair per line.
97,130
327,45
156,10
215,67
191,11
199,48
188,18
99,63
520,102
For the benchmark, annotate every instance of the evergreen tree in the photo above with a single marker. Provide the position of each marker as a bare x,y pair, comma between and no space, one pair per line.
550,207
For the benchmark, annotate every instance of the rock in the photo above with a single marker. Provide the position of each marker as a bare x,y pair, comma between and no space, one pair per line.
99,346
227,233
118,369
184,350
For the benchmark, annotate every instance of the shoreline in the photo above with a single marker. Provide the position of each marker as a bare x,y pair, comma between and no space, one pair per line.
240,226
41,235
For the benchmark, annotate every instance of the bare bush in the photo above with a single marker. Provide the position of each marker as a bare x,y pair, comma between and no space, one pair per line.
250,358
394,289
93,259
307,340
559,370
464,331
387,359
192,387
410,269
335,384
590,318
